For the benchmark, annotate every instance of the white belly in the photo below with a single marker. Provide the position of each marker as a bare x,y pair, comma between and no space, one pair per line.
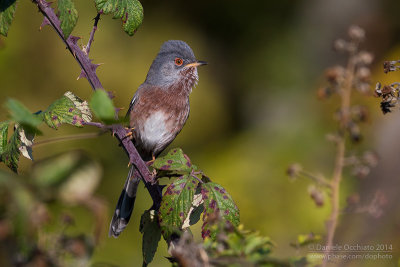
154,130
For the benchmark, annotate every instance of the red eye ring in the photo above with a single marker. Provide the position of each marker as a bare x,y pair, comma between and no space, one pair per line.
178,61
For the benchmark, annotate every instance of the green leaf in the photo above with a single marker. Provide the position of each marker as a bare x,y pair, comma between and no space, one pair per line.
129,11
218,204
305,239
236,242
174,161
20,114
21,141
10,155
151,231
176,205
7,11
102,106
68,109
68,16
3,135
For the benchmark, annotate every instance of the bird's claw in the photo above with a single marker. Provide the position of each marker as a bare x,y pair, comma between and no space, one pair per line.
129,133
150,162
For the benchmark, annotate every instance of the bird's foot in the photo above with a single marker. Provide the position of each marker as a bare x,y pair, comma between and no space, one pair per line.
150,162
129,134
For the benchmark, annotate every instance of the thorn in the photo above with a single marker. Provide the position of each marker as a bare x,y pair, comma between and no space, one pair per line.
44,23
47,4
110,94
74,39
95,66
82,75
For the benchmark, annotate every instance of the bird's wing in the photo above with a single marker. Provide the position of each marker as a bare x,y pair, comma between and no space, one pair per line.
131,105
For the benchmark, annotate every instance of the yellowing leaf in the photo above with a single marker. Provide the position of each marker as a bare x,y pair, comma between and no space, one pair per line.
68,109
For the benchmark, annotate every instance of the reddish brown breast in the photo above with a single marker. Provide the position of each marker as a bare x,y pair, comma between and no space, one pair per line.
157,117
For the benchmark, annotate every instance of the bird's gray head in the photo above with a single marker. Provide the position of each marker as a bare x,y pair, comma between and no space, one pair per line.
175,62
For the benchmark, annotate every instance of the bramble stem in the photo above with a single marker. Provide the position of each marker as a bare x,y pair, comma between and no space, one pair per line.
70,42
90,71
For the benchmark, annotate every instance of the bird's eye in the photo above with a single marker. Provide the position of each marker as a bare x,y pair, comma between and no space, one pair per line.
178,61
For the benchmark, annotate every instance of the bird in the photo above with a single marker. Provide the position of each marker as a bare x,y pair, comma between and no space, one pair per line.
157,113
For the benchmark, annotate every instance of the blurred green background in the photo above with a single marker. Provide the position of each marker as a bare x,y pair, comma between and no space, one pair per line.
253,113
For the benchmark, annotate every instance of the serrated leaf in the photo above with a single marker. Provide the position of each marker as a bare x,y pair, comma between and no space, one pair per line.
132,18
68,109
175,205
175,161
20,114
217,203
102,106
68,16
129,11
7,11
151,231
10,155
3,135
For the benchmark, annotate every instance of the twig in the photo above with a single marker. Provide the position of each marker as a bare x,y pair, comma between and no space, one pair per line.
89,71
197,178
318,179
340,156
66,138
86,49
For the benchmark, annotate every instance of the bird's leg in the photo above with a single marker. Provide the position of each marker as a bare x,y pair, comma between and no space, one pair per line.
150,162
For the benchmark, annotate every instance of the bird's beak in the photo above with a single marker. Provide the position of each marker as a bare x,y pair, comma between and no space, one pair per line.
196,64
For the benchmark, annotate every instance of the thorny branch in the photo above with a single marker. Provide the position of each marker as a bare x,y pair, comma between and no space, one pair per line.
89,72
51,19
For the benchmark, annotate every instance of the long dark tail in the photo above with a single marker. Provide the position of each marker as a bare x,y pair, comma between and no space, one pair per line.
125,204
